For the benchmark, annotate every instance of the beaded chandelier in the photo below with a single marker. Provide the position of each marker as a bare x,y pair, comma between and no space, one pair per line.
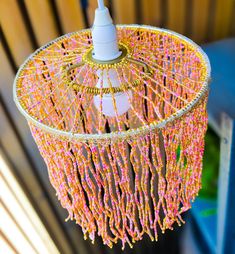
123,139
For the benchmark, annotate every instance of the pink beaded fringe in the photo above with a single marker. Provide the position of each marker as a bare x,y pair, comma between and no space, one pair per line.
125,176
123,190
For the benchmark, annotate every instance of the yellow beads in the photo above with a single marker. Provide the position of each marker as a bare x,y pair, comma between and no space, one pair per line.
124,190
134,174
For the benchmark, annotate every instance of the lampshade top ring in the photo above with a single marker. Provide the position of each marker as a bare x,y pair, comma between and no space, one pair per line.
25,102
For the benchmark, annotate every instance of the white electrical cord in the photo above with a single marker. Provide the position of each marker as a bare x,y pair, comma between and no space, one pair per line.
101,4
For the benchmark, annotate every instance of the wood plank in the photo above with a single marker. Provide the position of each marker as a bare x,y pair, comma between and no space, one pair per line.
176,13
226,195
6,245
14,233
124,12
14,29
24,169
223,18
71,15
92,5
23,213
232,32
42,21
151,12
68,233
200,19
11,144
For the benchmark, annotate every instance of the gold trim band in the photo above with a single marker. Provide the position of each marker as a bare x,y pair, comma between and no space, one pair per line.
87,58
104,90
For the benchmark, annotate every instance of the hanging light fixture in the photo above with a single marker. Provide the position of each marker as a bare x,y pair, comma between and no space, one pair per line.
119,116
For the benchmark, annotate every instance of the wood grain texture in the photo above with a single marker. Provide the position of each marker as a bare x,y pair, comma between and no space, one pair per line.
11,144
124,12
223,18
200,15
14,29
72,236
42,20
92,5
232,32
20,45
151,12
6,245
71,15
176,13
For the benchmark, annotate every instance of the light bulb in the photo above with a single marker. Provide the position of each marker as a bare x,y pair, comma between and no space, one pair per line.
107,79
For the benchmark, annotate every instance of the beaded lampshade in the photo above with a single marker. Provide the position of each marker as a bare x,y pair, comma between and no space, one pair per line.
123,140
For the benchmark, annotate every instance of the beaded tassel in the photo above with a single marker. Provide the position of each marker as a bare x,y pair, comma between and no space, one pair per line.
125,189
124,176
